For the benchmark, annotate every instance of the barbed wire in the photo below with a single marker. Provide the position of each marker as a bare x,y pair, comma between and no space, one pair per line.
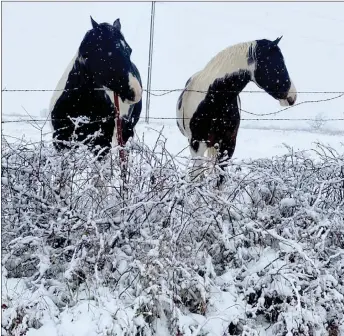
168,91
340,95
293,106
176,118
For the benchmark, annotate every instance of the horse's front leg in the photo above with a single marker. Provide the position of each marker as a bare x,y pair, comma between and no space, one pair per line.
197,150
226,152
222,162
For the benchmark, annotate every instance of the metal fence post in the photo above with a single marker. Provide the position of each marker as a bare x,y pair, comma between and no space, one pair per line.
149,79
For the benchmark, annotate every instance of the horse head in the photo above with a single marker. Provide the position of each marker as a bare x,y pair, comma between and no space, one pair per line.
106,56
269,71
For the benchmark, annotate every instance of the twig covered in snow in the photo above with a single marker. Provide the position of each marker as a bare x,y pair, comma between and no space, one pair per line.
168,252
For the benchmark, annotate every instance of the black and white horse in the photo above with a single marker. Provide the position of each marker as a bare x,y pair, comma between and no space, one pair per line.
102,62
208,110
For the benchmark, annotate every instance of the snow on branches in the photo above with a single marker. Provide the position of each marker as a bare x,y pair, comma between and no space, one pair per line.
165,256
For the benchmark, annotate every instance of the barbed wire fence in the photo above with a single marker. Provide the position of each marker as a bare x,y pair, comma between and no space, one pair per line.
40,123
163,92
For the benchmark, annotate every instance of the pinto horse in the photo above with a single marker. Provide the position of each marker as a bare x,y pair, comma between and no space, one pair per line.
208,109
101,63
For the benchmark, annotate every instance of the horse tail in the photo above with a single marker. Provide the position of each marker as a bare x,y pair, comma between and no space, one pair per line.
180,108
181,121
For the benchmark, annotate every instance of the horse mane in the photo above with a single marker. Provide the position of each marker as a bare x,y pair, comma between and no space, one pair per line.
226,62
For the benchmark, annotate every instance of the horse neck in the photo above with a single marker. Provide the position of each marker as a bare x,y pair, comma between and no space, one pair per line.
229,87
228,61
78,77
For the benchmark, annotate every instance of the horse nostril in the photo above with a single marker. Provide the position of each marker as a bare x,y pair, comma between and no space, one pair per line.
291,100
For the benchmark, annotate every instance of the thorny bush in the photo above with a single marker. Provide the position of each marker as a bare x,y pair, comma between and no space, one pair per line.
165,245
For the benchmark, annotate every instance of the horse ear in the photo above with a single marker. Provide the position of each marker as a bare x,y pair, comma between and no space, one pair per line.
274,43
94,23
117,24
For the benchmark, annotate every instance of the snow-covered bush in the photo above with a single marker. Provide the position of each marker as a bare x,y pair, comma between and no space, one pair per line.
163,256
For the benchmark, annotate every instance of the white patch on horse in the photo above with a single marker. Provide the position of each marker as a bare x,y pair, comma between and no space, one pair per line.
136,87
123,107
226,62
62,84
123,111
291,98
197,170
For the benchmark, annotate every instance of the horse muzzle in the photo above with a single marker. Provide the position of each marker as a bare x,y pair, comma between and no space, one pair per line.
291,97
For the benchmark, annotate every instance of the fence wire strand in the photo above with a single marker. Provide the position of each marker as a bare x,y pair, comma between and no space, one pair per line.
340,94
174,118
168,91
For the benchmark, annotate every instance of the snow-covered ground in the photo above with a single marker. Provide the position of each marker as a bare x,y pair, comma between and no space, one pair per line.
251,143
39,39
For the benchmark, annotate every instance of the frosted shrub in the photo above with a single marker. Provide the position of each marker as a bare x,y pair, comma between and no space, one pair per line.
166,252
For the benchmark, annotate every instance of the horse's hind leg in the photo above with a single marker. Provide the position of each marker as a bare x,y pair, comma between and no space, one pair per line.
197,150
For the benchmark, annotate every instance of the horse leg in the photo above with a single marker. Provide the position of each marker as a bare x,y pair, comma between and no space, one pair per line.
197,150
226,152
222,161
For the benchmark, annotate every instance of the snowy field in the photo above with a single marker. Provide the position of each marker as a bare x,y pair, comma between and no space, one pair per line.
36,49
252,142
